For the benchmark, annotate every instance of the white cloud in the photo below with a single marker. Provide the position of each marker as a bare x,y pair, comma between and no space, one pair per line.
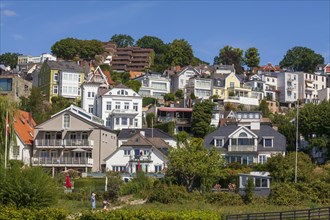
17,36
9,13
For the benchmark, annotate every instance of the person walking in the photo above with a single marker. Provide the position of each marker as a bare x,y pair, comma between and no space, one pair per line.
93,201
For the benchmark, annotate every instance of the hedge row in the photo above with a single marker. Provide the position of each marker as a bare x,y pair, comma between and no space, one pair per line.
125,214
8,212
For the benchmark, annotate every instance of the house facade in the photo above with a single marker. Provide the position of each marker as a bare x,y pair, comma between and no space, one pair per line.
180,79
139,153
73,139
245,140
61,78
120,107
14,87
288,85
309,85
154,85
24,131
182,117
201,87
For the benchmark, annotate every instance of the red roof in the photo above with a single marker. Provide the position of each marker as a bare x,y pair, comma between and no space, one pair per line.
24,126
168,109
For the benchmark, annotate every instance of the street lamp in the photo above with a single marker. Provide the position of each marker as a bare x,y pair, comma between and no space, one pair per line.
297,136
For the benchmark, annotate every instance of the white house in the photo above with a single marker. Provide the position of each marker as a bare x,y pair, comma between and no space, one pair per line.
24,131
95,80
120,107
139,153
201,87
180,79
309,85
154,85
288,84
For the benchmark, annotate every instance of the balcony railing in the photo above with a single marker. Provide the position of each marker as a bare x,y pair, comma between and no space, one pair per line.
124,111
242,148
61,161
140,158
177,120
65,142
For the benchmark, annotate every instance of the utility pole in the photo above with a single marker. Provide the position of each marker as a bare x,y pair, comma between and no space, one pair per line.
297,137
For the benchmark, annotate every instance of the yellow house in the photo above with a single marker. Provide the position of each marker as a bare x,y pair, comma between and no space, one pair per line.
227,85
61,78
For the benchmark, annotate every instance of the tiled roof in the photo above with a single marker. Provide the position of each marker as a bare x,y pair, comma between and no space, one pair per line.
135,74
24,126
108,75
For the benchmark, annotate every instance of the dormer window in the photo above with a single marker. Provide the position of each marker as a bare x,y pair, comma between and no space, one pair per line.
268,142
218,142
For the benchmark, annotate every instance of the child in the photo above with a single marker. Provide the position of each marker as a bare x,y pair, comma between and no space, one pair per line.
93,201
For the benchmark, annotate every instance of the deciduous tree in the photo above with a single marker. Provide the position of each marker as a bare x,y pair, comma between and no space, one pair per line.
229,55
192,162
134,84
123,40
252,57
180,53
301,59
202,114
9,59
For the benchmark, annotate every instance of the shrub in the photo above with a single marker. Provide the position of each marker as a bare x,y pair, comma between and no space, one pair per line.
168,194
114,184
28,187
8,212
284,194
249,191
224,198
138,185
151,215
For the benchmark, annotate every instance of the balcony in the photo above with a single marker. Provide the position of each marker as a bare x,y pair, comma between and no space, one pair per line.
242,148
290,88
135,158
181,121
67,143
309,88
62,161
124,112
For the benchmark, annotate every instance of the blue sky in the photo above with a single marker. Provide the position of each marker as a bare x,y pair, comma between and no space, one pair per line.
32,27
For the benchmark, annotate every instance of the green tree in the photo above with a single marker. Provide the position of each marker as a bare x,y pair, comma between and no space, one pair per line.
286,127
301,59
114,184
67,48
90,48
134,84
10,107
179,94
152,42
192,162
252,58
58,104
123,40
37,104
9,59
151,119
202,114
120,77
263,107
28,187
169,97
249,191
182,138
282,168
180,53
229,55
149,100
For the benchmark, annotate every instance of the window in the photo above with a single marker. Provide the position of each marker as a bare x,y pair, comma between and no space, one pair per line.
124,121
79,91
261,182
126,105
66,120
43,153
108,122
79,78
135,122
218,142
262,159
84,135
55,89
90,108
6,84
117,121
117,106
47,136
268,142
108,105
119,168
232,84
56,77
131,121
127,152
158,168
89,94
135,106
89,154
15,151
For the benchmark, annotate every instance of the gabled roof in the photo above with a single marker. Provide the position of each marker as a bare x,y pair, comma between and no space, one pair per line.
148,132
244,129
137,140
24,126
99,76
